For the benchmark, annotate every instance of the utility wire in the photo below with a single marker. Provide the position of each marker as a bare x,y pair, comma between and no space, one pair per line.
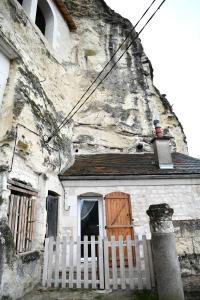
130,32
67,119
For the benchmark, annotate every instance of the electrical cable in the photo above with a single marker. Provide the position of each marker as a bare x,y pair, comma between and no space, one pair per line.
130,32
67,119
15,145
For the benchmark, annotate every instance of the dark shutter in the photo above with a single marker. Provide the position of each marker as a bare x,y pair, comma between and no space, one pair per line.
52,215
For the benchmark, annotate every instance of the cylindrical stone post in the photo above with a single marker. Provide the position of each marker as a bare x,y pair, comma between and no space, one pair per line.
165,258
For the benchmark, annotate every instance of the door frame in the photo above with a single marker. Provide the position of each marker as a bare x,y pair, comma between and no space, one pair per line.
100,210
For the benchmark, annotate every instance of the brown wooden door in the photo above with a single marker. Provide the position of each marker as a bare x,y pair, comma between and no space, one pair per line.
118,217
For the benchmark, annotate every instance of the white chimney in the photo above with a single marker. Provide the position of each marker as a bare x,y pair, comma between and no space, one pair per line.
162,150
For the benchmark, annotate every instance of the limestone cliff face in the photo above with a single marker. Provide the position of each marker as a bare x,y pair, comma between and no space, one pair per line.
121,113
43,86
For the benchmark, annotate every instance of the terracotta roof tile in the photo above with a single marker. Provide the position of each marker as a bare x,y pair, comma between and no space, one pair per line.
129,164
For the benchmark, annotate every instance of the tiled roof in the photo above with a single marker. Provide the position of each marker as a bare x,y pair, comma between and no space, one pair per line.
129,164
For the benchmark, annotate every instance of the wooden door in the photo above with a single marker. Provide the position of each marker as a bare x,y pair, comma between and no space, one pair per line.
52,215
118,218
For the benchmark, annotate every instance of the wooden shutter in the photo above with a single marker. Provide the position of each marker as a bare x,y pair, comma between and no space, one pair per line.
21,219
52,215
119,218
118,215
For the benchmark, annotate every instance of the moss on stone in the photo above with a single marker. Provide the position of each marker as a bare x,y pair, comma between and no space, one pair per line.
145,295
6,243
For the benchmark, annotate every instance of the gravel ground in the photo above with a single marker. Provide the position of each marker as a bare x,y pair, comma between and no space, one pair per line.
74,294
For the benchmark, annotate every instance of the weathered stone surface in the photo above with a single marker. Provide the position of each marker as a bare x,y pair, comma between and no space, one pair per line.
166,265
160,218
188,248
117,117
45,83
128,101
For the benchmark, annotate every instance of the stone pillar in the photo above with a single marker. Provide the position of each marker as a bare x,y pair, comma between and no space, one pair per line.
41,213
166,264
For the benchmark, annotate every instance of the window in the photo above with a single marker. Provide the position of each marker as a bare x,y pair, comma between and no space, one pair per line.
21,216
90,215
40,20
20,1
45,19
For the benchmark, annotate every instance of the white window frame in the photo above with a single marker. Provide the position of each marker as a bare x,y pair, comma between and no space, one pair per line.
30,7
100,210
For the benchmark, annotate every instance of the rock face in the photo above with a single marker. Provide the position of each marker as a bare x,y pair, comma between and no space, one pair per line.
45,83
120,114
43,78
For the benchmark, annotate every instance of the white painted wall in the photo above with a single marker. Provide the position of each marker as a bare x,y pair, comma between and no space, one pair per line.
183,195
57,31
61,37
4,71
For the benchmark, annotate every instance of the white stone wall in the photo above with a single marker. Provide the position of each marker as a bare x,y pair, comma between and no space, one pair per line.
4,71
183,195
57,31
61,38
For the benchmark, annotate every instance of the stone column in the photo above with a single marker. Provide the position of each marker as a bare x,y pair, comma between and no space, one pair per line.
166,264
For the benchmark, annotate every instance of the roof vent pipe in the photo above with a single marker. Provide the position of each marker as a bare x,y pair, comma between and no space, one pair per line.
162,151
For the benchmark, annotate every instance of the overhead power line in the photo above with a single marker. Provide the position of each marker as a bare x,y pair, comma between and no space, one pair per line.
73,111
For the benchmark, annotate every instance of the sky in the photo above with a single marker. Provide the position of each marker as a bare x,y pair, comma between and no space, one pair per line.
172,43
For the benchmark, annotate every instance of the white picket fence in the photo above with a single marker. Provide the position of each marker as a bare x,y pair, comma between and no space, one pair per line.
104,264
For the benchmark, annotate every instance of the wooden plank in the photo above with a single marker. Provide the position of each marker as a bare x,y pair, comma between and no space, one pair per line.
150,256
138,263
85,262
25,223
93,262
33,202
16,229
57,262
130,262
78,266
118,226
114,263
24,186
106,264
20,190
64,261
100,259
50,262
146,261
21,218
20,224
71,263
29,225
122,262
45,267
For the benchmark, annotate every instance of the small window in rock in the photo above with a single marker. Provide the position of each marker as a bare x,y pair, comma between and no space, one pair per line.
20,1
45,19
21,218
40,20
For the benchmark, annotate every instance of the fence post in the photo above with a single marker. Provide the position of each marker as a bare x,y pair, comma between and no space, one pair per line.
166,265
